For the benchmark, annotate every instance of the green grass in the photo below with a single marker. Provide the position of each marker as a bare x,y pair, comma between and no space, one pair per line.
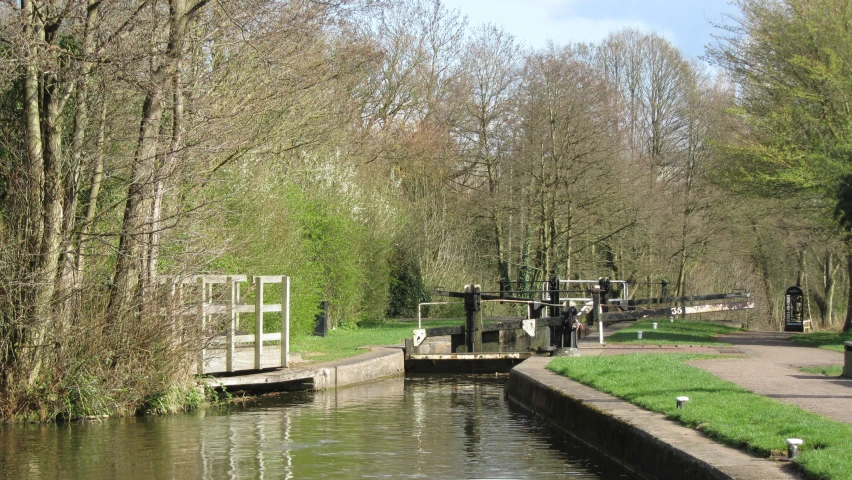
826,340
345,343
828,371
721,409
679,332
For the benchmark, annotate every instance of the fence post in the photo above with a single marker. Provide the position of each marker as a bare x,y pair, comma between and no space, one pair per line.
232,315
285,322
258,324
203,321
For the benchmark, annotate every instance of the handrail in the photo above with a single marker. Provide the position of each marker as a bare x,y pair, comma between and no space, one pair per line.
232,307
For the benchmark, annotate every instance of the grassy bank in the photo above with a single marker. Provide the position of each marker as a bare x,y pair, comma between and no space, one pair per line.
349,342
679,332
721,409
828,371
827,340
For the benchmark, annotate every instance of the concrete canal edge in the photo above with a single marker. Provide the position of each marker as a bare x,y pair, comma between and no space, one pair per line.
644,442
377,364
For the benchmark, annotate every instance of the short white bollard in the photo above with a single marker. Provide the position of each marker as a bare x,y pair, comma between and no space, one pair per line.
639,334
681,401
655,325
671,318
793,447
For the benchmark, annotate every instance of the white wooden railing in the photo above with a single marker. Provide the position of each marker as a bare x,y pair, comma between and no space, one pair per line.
211,308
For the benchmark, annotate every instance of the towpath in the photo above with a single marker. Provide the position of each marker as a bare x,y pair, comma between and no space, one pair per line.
767,363
771,368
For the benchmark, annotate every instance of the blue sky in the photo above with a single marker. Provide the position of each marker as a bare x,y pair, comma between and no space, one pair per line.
686,23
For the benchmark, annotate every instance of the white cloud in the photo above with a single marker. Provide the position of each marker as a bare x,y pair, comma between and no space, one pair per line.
534,22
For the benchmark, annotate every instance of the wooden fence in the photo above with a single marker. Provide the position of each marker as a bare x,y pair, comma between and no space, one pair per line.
219,303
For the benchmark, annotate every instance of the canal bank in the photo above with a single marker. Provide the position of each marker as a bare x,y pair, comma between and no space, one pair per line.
377,364
644,442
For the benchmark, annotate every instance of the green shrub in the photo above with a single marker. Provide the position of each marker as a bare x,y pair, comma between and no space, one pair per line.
407,289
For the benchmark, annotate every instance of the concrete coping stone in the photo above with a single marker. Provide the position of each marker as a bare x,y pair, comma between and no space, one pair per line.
647,443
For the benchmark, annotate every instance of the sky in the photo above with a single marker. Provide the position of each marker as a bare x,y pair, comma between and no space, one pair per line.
686,23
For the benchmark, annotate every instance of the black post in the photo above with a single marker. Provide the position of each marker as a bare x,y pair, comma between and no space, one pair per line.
535,310
596,305
321,328
664,289
554,311
553,293
569,326
473,322
606,286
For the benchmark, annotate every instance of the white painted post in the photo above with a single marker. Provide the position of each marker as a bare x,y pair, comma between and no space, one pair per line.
258,324
285,322
232,314
203,322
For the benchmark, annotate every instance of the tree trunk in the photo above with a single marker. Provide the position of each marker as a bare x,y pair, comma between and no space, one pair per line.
92,201
569,241
524,267
760,261
502,263
800,263
67,271
138,206
52,207
43,106
827,305
134,247
847,324
34,329
165,172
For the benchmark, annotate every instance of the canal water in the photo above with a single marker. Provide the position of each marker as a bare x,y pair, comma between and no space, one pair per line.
418,427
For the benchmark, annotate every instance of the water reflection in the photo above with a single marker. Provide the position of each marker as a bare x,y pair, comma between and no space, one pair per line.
424,427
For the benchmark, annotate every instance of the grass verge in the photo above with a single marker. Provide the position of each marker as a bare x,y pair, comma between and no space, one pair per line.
826,340
345,343
679,332
828,371
719,408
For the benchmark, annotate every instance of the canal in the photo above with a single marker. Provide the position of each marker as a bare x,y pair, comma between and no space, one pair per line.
418,427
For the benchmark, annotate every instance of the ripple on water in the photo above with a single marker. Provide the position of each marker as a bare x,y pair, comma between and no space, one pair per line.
421,427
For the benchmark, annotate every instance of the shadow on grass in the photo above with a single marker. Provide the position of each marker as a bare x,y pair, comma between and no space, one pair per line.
831,340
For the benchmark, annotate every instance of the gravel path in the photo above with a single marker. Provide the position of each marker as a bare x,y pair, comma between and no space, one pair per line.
770,368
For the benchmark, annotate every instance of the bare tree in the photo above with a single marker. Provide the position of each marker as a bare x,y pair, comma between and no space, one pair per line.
567,143
486,127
